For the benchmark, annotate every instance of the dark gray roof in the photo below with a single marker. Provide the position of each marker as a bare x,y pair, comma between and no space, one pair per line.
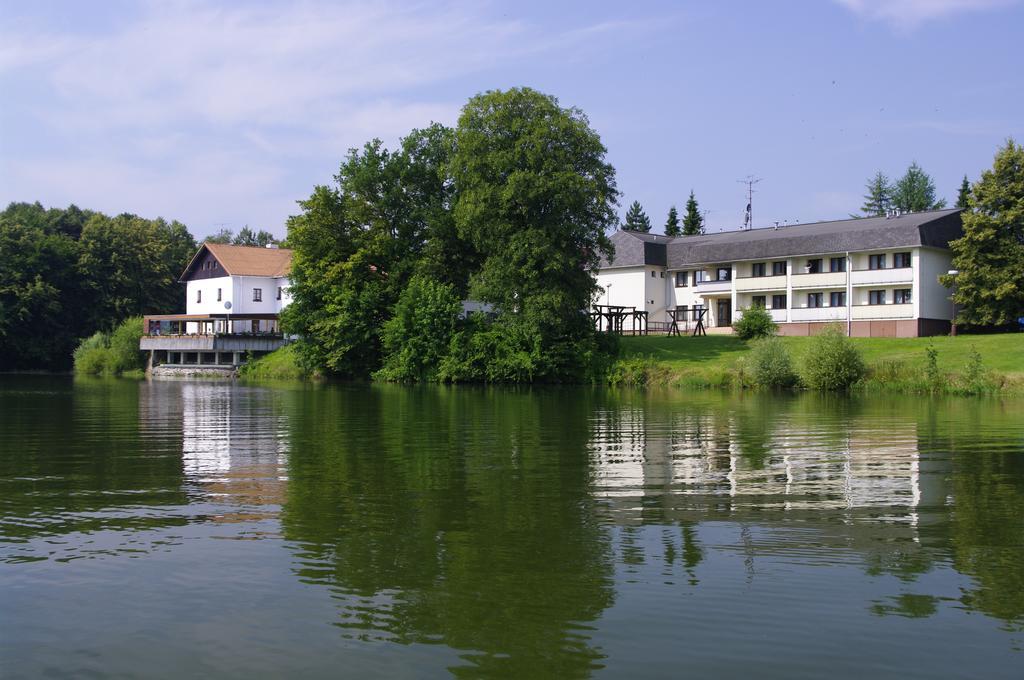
934,228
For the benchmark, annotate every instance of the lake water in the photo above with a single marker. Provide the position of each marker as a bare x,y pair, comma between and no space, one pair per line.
188,529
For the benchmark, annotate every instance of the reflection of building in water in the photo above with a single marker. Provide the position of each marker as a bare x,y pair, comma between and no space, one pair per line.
773,463
233,439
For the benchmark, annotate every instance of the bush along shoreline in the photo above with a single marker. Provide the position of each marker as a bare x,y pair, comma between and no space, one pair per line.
829,362
112,354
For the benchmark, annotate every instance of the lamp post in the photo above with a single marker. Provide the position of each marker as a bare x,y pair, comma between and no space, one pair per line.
952,324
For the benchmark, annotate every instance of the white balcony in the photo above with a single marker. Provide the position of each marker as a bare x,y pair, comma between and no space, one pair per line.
881,277
820,280
749,283
883,311
818,314
714,286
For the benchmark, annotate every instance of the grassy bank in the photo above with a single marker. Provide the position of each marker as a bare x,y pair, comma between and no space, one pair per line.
282,364
894,364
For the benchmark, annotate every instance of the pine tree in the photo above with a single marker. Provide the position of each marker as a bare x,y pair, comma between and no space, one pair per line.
989,259
693,223
878,200
964,196
672,224
915,191
636,219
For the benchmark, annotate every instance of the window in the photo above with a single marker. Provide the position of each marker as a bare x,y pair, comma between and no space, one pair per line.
681,313
901,296
813,266
654,274
199,296
218,295
700,276
901,260
723,274
876,297
257,295
662,276
279,292
681,279
758,301
814,299
837,264
876,261
779,268
837,300
757,269
778,302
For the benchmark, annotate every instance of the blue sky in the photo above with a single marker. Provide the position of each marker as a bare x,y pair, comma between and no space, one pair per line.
225,114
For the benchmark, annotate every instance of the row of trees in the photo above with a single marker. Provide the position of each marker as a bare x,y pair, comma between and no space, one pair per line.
68,273
692,224
510,208
913,192
244,237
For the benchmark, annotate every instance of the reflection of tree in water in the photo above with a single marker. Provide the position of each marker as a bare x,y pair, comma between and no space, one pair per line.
987,516
450,516
84,463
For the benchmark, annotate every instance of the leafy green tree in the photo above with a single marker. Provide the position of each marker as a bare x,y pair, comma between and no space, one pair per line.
990,255
535,197
356,245
416,337
131,266
879,197
248,237
223,235
672,227
964,196
693,221
915,191
832,361
636,219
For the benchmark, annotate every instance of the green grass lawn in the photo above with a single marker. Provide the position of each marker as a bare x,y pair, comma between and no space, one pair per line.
1003,353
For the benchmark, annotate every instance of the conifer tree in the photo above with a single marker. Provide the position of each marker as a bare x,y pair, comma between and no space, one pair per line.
693,223
672,227
915,191
636,219
878,199
989,259
964,196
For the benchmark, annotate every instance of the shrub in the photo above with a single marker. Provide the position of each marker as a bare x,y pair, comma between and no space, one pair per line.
975,379
771,364
832,361
111,353
756,322
418,336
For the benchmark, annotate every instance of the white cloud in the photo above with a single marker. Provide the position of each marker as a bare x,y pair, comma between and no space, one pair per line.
908,14
187,96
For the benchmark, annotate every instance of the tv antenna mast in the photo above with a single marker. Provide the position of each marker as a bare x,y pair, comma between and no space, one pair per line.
748,217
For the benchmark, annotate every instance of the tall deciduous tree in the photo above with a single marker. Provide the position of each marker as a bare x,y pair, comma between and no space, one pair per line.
672,227
535,196
357,244
258,239
693,221
990,256
915,191
879,197
963,197
636,219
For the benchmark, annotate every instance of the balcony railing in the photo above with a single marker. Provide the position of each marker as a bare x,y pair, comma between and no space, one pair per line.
889,311
868,277
818,314
714,286
745,283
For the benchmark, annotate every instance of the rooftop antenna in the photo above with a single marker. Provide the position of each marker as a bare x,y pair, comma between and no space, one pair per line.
748,218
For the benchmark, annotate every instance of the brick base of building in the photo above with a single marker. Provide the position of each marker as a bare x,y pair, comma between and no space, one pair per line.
877,328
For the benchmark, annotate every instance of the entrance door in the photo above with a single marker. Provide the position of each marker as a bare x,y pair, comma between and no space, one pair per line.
724,316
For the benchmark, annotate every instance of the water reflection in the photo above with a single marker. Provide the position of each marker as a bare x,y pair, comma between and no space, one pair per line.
535,532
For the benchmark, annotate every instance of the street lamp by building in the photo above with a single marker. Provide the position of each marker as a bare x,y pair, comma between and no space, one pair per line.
953,273
608,295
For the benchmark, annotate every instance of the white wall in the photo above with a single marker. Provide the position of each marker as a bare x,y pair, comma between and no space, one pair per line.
209,287
932,297
628,287
238,291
